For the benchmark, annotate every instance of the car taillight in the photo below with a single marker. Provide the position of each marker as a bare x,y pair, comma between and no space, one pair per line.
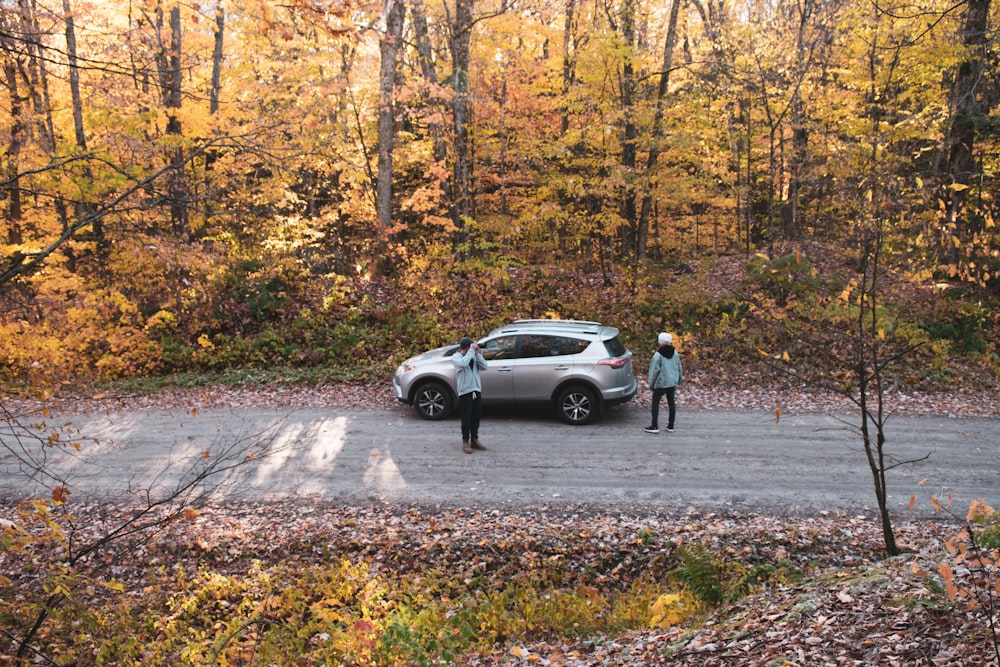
614,363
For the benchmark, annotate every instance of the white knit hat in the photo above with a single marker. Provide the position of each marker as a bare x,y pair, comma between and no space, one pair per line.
665,339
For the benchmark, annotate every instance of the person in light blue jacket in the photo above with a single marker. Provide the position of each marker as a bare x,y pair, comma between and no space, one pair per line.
468,361
665,373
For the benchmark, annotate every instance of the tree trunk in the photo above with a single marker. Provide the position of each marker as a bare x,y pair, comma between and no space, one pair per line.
389,48
970,102
425,54
37,77
17,134
168,64
217,54
74,77
79,133
630,132
461,36
427,68
569,62
791,215
171,80
869,371
502,137
12,187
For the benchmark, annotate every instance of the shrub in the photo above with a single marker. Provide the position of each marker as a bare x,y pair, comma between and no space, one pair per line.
783,277
960,323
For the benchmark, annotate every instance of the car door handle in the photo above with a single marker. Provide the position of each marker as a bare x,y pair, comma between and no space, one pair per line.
561,368
505,369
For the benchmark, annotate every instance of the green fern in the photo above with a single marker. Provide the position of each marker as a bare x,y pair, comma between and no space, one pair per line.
764,572
702,574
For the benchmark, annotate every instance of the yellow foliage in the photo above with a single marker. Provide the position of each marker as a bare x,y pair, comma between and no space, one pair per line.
161,320
672,609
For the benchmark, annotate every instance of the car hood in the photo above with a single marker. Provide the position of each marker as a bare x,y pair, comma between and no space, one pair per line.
430,355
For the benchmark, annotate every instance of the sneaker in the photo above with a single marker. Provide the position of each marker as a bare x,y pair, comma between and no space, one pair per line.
670,429
651,429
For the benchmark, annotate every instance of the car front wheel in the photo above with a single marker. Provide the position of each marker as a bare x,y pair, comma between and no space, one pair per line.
433,401
577,405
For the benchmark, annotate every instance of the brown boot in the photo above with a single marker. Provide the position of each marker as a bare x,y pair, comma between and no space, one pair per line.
478,445
465,447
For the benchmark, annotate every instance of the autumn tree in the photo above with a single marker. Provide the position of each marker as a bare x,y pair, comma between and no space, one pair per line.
968,243
168,65
462,18
656,131
845,336
389,48
137,148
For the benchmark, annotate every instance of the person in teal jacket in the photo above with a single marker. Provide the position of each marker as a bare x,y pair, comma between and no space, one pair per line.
468,361
665,373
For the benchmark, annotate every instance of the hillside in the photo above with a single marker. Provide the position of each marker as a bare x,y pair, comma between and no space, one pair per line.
557,586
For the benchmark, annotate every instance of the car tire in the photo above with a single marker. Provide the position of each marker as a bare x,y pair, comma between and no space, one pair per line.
433,401
577,405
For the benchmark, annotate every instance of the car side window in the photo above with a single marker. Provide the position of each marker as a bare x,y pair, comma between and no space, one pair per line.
534,346
572,345
499,348
551,346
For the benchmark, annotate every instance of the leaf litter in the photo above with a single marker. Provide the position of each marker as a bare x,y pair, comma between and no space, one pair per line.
852,607
698,393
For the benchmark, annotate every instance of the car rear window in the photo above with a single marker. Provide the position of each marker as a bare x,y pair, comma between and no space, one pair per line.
614,347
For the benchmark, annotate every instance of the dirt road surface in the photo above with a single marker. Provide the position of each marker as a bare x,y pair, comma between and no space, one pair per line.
717,460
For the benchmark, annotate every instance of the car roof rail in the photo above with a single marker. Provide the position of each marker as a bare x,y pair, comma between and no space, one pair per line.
580,323
581,326
566,326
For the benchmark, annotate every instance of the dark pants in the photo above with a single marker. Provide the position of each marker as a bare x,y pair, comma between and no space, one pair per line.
658,395
470,407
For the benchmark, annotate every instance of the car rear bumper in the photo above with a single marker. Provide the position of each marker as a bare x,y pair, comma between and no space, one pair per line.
620,395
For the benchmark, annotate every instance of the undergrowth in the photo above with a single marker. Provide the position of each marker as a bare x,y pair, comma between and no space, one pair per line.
372,594
721,312
327,603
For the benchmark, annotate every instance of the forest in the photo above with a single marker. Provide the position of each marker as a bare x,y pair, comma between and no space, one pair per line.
327,187
253,192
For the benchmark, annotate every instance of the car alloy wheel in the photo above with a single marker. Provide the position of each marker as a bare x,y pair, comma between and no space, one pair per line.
576,405
433,401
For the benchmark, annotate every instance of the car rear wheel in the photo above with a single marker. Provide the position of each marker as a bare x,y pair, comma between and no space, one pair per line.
433,401
577,405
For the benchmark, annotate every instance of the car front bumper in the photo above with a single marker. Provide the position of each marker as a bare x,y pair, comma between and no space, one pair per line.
398,390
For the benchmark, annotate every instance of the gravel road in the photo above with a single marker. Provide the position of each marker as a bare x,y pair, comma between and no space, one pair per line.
716,460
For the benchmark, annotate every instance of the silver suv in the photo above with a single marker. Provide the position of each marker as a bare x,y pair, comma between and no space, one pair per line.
579,368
